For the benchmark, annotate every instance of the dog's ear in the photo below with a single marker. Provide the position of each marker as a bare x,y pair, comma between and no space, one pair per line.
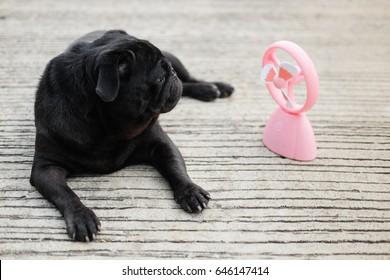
108,79
110,69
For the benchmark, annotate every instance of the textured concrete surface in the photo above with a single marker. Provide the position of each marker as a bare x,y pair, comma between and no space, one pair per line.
263,206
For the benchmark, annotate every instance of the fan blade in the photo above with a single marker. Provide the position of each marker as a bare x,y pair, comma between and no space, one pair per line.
287,98
268,73
287,71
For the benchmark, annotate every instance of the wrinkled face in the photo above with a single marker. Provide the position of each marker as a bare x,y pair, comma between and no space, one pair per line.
134,80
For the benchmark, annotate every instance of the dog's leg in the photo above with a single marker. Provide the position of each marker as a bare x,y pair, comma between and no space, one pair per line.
207,91
169,162
162,153
81,222
198,89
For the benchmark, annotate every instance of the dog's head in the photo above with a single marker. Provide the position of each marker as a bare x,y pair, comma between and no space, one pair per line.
133,79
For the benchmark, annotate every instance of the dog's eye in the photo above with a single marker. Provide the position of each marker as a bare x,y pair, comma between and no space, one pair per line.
160,80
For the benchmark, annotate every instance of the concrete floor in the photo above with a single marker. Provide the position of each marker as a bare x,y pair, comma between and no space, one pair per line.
264,206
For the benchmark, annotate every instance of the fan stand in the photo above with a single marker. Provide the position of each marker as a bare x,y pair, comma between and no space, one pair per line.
290,135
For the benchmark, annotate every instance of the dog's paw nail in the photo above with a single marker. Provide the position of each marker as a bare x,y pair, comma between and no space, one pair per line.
99,227
189,209
204,205
93,236
74,236
86,239
200,208
217,92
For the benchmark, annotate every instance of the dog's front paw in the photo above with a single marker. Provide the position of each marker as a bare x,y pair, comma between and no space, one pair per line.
82,223
225,89
192,198
206,92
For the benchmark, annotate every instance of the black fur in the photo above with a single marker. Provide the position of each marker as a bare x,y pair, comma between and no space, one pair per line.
96,111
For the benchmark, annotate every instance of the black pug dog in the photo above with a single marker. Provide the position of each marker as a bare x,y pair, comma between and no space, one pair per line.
96,111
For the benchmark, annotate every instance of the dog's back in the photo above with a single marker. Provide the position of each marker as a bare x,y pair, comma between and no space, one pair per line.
93,36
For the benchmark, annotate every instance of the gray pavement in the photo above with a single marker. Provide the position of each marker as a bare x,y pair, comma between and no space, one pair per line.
264,206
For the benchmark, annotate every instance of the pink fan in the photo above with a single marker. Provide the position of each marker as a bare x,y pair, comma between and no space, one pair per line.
288,131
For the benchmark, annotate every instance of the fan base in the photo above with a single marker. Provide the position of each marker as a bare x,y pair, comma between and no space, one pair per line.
290,135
